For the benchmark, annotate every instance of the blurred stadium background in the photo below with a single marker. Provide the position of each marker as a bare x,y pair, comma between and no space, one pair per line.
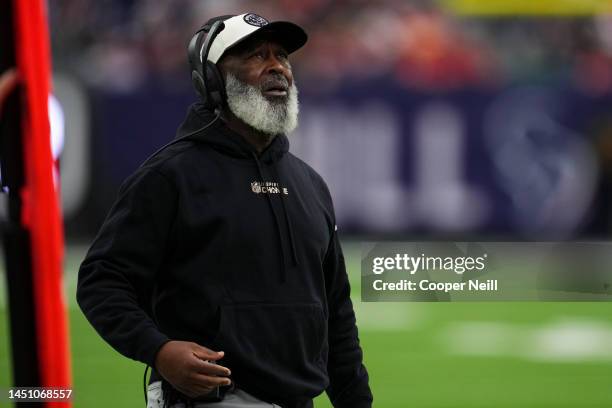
449,119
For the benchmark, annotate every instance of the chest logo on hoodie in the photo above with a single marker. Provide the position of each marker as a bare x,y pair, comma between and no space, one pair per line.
268,187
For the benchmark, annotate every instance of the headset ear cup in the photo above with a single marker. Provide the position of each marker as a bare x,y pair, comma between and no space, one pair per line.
216,85
193,52
199,84
206,78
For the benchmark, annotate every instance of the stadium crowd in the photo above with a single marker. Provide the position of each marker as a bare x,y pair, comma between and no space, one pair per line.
123,44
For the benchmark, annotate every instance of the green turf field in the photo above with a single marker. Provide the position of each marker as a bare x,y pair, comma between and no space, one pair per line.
438,355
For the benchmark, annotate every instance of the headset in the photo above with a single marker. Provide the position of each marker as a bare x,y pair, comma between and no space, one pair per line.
206,77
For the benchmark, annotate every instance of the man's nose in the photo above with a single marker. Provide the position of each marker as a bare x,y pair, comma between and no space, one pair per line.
276,66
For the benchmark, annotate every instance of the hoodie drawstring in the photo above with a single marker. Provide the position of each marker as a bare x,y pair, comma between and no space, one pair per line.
289,226
284,266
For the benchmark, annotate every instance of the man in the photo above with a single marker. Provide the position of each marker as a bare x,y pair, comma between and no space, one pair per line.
219,264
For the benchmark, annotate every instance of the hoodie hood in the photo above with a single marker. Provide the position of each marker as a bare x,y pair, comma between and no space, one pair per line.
225,140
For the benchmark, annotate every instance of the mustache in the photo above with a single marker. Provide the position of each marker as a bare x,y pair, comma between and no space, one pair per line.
277,81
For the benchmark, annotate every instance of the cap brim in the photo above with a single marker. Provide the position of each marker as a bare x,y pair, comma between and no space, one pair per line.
291,36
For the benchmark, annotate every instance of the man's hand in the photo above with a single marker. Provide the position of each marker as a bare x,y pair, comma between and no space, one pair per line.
186,366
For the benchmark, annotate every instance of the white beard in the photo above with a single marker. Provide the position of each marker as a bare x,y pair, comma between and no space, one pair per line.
249,105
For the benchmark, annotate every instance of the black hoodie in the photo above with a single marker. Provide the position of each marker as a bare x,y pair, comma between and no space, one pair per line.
209,242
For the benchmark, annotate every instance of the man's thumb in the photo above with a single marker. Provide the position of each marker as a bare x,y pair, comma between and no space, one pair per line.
204,353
